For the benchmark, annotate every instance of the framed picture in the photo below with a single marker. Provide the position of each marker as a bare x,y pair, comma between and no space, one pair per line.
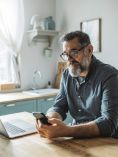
93,29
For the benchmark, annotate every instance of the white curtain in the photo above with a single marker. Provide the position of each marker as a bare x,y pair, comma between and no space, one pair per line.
11,36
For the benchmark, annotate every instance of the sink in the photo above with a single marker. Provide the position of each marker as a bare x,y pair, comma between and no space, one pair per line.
42,91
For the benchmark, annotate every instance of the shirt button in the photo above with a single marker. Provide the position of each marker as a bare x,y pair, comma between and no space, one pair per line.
79,96
79,110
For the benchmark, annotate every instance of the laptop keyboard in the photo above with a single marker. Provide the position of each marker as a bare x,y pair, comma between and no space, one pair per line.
13,129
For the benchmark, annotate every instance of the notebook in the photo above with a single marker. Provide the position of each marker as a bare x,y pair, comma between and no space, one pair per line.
16,128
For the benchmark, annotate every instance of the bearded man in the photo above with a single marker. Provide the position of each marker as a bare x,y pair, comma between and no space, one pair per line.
88,90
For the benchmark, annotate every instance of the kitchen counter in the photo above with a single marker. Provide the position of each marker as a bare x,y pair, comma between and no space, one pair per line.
19,96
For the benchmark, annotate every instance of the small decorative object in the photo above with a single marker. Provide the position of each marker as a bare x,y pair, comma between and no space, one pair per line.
49,84
35,22
36,77
48,52
93,29
7,86
49,23
42,23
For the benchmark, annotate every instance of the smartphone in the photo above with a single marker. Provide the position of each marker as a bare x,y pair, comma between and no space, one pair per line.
42,117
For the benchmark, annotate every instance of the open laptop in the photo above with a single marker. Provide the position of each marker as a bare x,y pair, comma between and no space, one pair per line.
16,128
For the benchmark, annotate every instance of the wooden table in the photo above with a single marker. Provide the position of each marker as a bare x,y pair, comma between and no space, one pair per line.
35,146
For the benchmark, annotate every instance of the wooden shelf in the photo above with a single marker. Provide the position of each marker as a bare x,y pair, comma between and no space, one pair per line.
38,35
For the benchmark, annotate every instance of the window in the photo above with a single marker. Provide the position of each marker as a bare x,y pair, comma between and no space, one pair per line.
11,35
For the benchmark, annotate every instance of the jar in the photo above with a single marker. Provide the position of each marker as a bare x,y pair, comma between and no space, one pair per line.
49,23
47,52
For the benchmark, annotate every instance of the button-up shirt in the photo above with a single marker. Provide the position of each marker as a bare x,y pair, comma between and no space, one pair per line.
93,98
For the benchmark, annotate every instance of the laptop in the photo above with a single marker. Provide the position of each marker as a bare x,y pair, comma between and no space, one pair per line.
16,128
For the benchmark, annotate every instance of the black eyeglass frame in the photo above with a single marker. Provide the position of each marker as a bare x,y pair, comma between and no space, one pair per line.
72,55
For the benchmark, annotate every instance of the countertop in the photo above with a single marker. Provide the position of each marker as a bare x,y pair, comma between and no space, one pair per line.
19,96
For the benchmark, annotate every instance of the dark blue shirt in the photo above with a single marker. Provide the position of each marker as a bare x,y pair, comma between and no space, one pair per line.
93,98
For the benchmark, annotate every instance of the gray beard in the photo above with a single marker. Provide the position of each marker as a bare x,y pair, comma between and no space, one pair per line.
73,72
82,67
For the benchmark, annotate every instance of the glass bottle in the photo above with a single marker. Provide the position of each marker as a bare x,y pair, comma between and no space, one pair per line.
49,84
49,23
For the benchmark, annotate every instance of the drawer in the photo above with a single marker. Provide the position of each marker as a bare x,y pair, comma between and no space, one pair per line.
21,106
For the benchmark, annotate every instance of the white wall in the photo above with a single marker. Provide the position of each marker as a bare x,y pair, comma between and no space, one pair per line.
69,14
32,57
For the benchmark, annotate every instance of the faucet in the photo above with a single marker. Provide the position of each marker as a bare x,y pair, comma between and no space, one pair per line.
36,73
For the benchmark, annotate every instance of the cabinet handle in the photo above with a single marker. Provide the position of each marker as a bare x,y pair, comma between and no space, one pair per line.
10,105
50,99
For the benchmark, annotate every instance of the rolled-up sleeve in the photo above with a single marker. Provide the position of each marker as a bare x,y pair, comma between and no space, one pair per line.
108,121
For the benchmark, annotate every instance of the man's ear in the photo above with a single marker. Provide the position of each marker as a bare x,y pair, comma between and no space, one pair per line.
90,50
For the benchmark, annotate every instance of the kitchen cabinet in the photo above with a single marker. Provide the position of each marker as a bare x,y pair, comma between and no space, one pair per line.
8,108
34,104
44,104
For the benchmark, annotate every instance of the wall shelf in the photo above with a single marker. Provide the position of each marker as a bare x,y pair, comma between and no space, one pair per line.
38,35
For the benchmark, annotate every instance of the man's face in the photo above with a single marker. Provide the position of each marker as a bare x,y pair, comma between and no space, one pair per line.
78,65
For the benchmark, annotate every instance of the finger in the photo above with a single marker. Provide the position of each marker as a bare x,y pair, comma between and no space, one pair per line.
42,136
39,127
54,121
38,122
41,132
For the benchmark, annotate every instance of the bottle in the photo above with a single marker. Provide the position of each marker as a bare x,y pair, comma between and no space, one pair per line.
49,23
49,84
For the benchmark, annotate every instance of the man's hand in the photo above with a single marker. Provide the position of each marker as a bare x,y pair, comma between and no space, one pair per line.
56,129
60,129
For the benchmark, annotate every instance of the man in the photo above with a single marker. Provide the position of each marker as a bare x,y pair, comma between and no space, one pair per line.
88,90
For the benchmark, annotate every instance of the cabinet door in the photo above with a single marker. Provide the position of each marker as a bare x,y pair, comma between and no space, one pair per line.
44,104
21,106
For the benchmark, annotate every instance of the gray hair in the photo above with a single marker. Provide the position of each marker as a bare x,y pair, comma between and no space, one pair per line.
83,38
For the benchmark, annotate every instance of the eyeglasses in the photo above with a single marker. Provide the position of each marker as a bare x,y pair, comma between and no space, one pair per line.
72,54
